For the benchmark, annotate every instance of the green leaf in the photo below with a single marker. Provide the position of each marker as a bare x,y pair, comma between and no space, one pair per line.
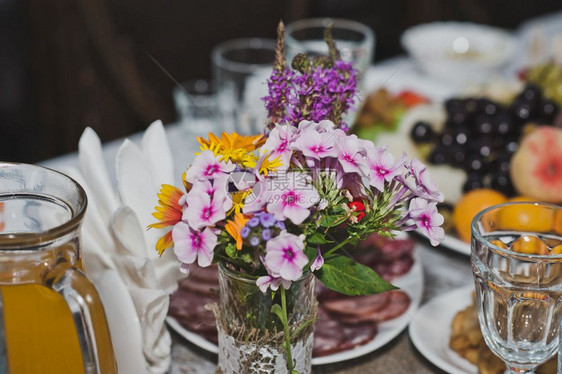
318,239
327,221
276,309
345,275
310,253
230,250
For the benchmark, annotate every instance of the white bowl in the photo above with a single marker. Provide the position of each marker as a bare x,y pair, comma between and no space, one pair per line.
459,52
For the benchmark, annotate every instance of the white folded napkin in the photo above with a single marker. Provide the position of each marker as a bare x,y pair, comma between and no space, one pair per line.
115,237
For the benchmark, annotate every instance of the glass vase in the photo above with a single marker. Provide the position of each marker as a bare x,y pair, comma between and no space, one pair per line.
251,338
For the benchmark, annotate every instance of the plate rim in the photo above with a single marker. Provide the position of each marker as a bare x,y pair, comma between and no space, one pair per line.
402,322
418,339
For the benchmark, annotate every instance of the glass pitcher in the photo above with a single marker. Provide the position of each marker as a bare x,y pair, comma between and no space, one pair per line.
51,317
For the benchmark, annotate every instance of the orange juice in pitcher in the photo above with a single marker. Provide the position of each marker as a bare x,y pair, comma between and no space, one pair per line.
51,317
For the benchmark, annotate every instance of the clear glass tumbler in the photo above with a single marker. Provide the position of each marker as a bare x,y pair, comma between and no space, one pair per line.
354,40
51,317
517,266
196,105
240,70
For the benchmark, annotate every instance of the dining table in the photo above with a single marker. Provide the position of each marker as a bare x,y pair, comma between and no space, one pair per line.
443,268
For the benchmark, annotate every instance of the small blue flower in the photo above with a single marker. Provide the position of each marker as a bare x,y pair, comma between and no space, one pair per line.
266,234
253,222
254,241
244,232
267,220
280,225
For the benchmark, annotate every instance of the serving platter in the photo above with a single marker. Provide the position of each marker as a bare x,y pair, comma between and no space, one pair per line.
430,330
411,283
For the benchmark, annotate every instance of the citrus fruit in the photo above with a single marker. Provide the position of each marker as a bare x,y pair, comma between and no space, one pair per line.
526,217
556,250
470,204
557,225
529,244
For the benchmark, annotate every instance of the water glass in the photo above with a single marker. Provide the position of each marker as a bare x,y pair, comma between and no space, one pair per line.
517,265
196,105
354,40
240,69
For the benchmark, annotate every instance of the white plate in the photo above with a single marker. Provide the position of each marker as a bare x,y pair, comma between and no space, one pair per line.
456,245
411,283
430,330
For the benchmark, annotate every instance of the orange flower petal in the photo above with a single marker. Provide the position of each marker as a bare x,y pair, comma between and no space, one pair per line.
164,243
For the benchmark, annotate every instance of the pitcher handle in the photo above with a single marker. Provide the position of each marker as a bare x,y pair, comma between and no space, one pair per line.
82,297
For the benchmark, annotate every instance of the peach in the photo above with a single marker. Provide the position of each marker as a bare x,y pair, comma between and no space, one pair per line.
536,167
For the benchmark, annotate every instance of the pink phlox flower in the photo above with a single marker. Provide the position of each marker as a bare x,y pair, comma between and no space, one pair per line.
383,167
285,257
314,144
278,144
420,182
290,196
321,127
427,219
350,157
318,261
191,245
207,166
202,210
267,281
257,198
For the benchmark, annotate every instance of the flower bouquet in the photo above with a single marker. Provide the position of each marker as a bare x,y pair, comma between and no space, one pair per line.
265,208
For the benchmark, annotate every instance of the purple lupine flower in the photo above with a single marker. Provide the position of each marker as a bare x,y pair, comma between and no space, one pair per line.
207,166
383,167
266,234
293,200
427,219
279,87
285,257
318,261
190,244
245,232
267,220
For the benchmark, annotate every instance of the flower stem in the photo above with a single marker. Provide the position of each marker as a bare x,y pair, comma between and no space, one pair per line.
286,331
335,248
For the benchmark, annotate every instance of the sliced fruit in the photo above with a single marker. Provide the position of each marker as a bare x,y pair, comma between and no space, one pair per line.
536,166
526,217
472,203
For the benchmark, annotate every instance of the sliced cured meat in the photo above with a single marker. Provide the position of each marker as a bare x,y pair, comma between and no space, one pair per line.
328,335
393,249
357,335
357,305
208,274
399,303
196,286
188,308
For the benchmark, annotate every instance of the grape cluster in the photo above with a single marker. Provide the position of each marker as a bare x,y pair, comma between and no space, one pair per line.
481,135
